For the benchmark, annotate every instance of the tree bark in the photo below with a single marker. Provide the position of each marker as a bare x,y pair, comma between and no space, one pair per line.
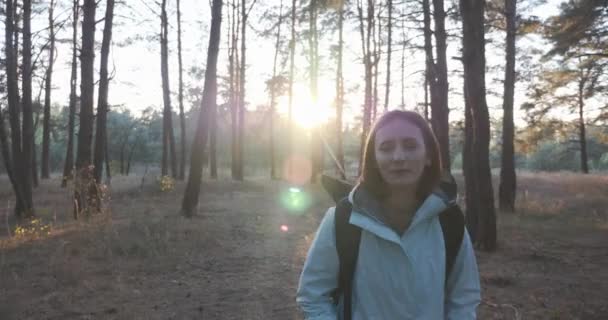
581,126
316,146
14,109
440,111
273,93
69,156
365,30
168,138
46,129
241,99
233,87
191,194
292,52
387,92
28,120
180,98
429,73
340,93
102,102
83,193
474,76
87,85
508,186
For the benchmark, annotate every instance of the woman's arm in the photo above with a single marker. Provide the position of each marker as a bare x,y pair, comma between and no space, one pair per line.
319,277
463,290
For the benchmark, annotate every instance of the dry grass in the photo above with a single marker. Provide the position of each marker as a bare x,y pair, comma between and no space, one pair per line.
231,261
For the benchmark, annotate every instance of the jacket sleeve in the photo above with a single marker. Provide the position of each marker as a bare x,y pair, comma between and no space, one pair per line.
463,290
319,277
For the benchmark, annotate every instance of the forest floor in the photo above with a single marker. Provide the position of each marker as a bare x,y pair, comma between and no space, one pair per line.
241,256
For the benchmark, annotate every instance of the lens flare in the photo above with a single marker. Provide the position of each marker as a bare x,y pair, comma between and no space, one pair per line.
297,170
295,200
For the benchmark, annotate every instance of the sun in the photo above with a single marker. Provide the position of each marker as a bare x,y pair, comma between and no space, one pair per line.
306,113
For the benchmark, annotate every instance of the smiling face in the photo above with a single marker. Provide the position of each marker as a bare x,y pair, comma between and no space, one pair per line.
401,154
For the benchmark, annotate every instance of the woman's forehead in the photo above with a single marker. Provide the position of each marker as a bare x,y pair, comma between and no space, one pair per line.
398,129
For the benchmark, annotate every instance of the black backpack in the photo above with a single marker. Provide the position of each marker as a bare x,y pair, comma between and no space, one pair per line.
348,237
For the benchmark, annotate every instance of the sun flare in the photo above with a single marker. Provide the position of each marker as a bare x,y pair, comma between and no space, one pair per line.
306,113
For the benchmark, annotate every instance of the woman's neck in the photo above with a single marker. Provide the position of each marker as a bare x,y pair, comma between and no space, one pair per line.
401,198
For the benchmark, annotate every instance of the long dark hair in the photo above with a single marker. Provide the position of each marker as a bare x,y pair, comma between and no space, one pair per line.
371,179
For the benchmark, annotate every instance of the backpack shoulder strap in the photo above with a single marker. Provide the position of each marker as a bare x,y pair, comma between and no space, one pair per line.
348,238
452,226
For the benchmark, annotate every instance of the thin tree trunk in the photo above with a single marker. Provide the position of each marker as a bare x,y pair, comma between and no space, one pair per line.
474,77
191,194
107,161
168,138
292,51
315,143
69,156
180,98
403,47
387,93
429,79
273,89
46,130
366,35
241,100
340,93
581,126
440,111
232,67
34,168
507,187
102,102
28,121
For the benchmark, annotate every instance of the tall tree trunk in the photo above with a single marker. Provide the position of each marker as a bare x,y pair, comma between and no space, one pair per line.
376,40
191,194
168,138
474,76
87,88
507,187
87,85
102,102
292,53
403,47
429,72
6,156
28,121
69,156
387,92
46,130
440,111
365,29
232,70
34,168
315,143
107,162
241,99
180,98
14,109
273,93
581,127
340,93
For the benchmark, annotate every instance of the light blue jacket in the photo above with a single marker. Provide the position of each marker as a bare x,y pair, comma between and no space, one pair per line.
396,277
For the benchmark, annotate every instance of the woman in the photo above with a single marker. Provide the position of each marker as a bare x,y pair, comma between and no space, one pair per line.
401,257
